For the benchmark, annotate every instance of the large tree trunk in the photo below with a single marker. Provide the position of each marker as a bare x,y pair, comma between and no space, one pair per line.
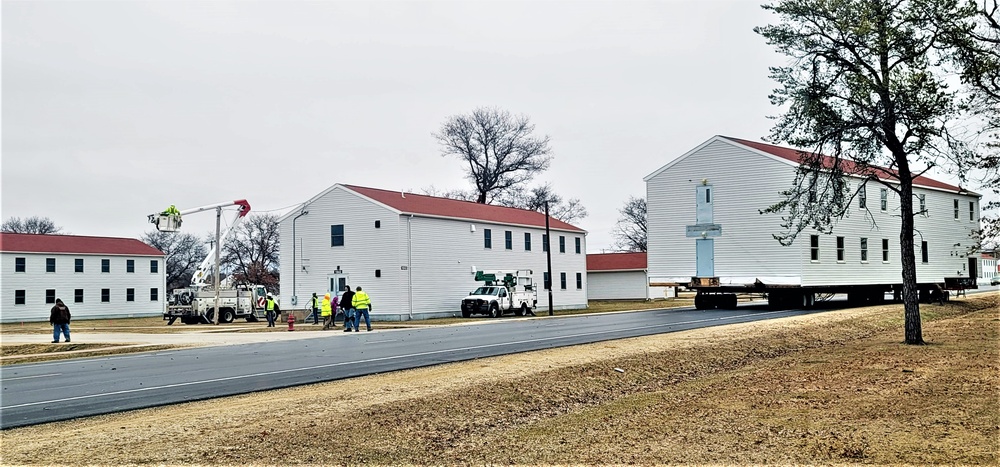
911,298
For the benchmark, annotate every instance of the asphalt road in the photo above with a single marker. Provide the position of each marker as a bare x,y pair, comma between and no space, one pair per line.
47,392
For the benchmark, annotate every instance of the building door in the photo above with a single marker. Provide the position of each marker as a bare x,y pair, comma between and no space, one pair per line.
337,283
705,257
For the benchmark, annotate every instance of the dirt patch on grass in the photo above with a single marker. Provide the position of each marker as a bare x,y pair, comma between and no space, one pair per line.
32,353
836,387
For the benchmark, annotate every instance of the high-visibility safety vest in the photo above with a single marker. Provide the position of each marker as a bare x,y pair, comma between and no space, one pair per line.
314,300
361,300
327,309
270,304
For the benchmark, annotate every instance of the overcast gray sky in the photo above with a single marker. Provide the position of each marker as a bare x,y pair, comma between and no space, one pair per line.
113,110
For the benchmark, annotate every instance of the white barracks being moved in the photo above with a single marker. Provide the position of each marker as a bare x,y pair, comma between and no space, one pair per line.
704,221
417,255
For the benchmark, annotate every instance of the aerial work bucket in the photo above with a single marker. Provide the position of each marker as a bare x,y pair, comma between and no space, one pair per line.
166,222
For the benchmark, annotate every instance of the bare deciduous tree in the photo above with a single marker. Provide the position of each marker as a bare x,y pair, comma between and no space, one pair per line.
868,88
500,149
251,253
534,199
30,225
184,252
630,231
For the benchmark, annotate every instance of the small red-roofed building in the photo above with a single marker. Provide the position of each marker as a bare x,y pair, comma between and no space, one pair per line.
622,276
96,277
417,255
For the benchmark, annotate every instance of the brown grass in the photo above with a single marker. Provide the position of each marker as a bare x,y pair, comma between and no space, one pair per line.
836,387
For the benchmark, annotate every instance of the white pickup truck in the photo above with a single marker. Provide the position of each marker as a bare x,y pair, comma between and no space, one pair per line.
503,293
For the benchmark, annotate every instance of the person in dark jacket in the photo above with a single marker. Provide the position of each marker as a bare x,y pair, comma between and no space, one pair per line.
59,319
347,303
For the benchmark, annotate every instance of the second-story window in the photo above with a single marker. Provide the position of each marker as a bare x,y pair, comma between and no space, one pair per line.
527,241
78,265
972,210
863,197
562,243
508,240
883,199
864,249
130,265
885,250
814,247
487,238
955,204
578,243
105,265
19,265
922,200
337,235
50,265
840,248
154,266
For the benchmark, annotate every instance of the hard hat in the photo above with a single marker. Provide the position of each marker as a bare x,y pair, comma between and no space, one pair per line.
327,295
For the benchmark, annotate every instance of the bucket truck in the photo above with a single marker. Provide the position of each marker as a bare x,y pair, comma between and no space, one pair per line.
196,303
503,292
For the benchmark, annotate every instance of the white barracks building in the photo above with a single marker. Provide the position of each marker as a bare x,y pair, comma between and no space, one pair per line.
96,277
735,179
417,255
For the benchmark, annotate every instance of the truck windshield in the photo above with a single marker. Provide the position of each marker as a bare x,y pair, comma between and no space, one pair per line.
486,291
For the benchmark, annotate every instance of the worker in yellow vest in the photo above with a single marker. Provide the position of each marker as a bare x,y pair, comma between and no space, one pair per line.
314,308
326,309
362,303
269,308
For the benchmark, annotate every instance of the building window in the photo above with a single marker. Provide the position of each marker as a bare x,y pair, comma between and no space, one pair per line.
154,266
562,280
864,250
840,249
19,297
883,199
378,273
527,241
812,187
972,210
579,280
814,247
337,235
130,265
508,240
885,250
578,243
545,280
863,196
78,296
378,224
105,265
545,242
154,294
105,295
129,295
19,265
50,265
923,251
50,295
922,200
487,238
78,265
955,204
562,243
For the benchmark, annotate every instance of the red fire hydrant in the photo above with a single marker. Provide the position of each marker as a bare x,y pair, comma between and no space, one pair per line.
291,322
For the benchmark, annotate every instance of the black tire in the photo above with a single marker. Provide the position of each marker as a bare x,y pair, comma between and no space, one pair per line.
731,301
227,316
699,302
190,320
522,311
495,310
465,312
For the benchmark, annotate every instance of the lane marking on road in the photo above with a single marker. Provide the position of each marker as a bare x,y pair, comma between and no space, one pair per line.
34,376
382,342
383,359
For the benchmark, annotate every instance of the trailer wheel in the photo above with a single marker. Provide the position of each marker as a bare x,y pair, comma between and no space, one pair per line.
699,302
495,310
731,301
227,316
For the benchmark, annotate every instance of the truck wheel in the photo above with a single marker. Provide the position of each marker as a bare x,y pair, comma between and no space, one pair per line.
521,311
465,312
227,316
699,302
495,311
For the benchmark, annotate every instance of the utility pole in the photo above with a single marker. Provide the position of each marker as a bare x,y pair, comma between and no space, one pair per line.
218,270
548,254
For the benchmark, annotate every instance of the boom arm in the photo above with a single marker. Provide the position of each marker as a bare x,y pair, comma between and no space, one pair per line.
170,221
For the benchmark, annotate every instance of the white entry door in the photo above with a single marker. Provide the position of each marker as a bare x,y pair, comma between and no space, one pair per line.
337,283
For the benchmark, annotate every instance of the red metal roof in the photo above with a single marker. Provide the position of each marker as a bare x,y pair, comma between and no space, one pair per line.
616,261
412,203
848,166
35,243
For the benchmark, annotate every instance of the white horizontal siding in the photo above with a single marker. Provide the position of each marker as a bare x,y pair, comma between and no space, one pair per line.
745,182
35,281
617,285
426,263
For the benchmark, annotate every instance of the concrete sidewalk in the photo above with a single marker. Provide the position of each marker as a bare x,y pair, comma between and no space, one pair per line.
178,338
